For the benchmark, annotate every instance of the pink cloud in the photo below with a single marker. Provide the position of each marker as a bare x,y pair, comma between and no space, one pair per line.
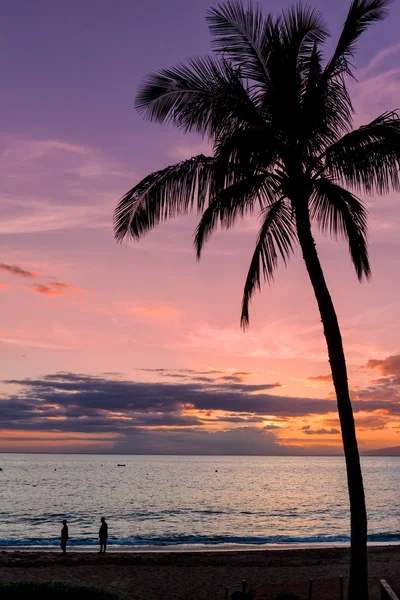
56,288
155,311
28,340
277,339
5,286
386,366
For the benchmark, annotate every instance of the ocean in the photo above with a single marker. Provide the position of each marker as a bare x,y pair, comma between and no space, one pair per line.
189,502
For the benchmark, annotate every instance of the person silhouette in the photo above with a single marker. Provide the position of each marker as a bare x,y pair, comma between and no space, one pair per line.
64,537
103,534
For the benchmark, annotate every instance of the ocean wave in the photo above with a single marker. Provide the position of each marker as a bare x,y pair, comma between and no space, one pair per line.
199,540
144,515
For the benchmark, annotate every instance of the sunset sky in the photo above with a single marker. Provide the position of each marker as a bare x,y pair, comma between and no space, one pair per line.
137,347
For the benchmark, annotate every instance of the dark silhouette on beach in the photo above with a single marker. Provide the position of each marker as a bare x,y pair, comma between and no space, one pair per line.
103,535
279,119
64,537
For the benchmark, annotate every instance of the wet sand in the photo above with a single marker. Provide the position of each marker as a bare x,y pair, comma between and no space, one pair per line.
203,575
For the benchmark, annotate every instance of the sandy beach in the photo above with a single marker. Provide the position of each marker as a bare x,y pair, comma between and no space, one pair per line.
202,575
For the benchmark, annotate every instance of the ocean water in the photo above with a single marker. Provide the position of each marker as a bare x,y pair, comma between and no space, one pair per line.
191,501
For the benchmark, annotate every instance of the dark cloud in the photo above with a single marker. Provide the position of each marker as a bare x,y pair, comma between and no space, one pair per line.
307,430
239,441
70,403
87,393
211,376
86,404
18,271
110,405
383,392
94,422
242,420
234,442
371,422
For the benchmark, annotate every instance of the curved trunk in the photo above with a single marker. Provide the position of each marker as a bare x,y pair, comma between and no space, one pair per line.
358,584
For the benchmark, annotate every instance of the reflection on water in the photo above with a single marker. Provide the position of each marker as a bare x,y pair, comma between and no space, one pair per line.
169,500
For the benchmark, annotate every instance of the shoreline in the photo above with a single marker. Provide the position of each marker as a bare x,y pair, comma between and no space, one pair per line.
202,575
191,548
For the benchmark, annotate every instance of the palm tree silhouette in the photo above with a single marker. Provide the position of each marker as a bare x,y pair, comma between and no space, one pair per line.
279,118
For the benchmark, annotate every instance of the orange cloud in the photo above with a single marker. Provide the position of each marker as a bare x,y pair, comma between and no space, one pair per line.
321,378
43,441
56,288
18,271
386,366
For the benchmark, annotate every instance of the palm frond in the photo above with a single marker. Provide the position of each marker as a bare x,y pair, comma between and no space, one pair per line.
246,150
368,158
335,102
362,14
303,28
326,115
326,109
339,213
243,35
238,199
313,74
276,237
163,195
205,95
300,29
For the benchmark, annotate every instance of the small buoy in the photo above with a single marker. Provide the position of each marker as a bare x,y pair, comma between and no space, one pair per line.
216,470
120,465
1,469
55,469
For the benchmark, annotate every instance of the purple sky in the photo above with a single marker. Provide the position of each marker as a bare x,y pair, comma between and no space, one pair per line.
71,144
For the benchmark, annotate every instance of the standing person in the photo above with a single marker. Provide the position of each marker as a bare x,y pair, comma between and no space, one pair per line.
103,534
64,536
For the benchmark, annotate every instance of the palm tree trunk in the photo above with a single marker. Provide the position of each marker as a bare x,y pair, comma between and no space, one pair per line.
358,584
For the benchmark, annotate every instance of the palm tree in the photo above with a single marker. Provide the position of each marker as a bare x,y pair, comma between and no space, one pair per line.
279,118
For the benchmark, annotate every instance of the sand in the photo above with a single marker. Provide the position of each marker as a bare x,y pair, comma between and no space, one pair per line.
203,575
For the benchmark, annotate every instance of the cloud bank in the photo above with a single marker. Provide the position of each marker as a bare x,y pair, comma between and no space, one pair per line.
180,416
